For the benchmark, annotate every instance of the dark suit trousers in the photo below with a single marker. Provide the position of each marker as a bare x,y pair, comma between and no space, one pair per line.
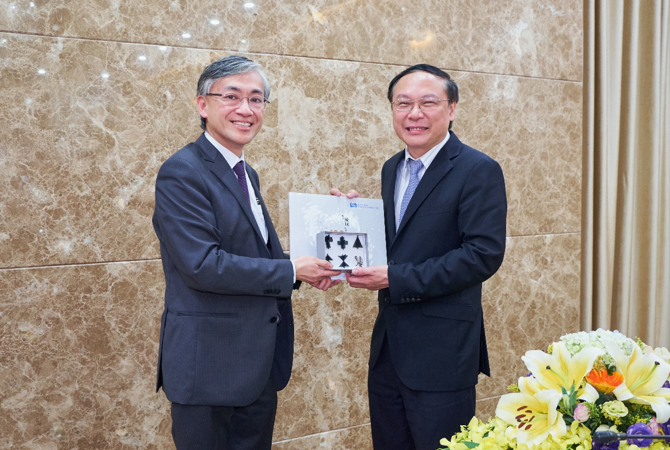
406,419
201,427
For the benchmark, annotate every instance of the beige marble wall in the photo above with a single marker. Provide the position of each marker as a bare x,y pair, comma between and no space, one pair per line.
94,95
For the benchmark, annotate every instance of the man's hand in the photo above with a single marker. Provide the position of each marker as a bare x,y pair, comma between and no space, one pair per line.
351,194
325,284
312,270
372,278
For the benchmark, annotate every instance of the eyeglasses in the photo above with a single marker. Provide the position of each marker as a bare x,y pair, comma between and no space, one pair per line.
257,103
424,103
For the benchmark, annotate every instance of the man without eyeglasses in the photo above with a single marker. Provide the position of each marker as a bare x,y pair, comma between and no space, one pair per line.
226,340
445,210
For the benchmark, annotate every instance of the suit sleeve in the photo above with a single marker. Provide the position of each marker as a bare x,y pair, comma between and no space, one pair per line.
186,226
482,214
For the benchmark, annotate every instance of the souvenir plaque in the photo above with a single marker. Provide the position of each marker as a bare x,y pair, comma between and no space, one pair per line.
344,250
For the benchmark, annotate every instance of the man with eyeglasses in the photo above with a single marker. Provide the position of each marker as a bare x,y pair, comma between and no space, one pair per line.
226,340
445,210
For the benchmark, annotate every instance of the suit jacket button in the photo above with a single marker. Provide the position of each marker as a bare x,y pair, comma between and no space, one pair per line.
391,263
274,319
387,300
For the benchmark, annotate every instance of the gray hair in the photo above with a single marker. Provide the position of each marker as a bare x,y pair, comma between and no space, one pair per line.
225,67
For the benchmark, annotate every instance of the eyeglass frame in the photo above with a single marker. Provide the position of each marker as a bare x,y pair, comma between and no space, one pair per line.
216,94
393,104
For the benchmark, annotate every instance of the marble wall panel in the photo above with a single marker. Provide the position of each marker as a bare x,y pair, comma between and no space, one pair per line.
518,37
90,123
486,408
77,367
508,37
80,344
80,348
533,128
358,438
531,302
328,387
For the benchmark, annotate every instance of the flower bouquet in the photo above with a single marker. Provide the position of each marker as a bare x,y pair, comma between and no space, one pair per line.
586,382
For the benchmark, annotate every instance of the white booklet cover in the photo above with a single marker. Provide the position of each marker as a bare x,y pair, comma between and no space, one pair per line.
310,214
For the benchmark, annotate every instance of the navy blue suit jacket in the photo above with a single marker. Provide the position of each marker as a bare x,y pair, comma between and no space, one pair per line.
220,339
450,240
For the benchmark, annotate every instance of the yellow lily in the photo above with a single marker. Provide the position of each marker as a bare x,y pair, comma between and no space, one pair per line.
644,374
560,370
535,416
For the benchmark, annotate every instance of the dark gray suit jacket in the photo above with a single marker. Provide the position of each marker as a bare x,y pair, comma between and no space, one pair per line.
450,240
220,338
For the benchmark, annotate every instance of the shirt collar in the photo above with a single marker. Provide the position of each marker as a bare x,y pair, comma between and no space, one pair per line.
230,157
430,155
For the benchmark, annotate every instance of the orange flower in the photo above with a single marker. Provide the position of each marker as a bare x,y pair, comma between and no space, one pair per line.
604,382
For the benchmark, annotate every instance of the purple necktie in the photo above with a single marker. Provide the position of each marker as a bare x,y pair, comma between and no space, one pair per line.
242,178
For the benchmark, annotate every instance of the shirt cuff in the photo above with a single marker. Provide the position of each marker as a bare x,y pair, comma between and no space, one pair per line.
293,264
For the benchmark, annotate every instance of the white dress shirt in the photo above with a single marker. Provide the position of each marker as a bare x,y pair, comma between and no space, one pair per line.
403,174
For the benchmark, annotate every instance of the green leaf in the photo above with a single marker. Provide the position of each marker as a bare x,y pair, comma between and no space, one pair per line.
469,444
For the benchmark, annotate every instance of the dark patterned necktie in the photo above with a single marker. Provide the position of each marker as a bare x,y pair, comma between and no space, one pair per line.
242,178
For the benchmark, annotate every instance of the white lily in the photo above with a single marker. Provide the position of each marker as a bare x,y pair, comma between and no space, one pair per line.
644,374
662,353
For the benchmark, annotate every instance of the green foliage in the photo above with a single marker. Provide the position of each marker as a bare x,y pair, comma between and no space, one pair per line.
595,417
568,404
636,413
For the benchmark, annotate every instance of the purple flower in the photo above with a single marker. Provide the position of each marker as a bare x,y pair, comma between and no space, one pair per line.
600,446
639,428
665,427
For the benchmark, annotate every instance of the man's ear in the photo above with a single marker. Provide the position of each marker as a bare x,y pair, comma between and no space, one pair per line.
452,111
202,106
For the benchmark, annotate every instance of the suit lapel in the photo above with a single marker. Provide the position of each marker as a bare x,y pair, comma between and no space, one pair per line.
273,240
437,170
388,189
220,168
